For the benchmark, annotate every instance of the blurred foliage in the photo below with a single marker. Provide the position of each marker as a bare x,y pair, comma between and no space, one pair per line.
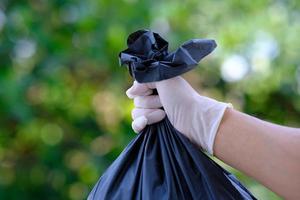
64,116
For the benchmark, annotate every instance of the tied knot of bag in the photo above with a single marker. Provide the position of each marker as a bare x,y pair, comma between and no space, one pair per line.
145,49
148,59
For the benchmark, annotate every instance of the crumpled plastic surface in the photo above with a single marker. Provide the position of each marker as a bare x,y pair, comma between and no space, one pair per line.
161,163
148,59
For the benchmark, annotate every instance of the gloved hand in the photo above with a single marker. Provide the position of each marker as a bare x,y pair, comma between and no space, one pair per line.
195,116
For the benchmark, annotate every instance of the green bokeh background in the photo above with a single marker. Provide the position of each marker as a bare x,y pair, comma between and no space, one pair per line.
64,115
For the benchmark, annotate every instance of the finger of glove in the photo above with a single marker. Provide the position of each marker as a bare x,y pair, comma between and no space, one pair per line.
139,124
140,89
138,112
148,102
152,115
156,116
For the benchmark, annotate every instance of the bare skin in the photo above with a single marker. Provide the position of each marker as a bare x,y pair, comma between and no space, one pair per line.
267,152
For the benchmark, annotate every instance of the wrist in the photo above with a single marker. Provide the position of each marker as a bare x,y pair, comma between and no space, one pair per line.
223,124
210,114
218,124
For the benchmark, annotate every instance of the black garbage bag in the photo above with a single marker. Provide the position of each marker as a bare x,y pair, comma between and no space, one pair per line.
160,162
148,59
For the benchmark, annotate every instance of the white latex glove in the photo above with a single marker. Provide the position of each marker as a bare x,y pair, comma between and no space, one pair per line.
195,116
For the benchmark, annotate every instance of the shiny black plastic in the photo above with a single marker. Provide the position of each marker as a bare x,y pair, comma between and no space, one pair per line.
160,162
148,59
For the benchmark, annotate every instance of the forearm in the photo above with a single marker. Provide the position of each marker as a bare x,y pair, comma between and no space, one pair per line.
269,153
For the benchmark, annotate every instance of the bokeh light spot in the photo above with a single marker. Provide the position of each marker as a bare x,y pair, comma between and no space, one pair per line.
161,25
101,145
76,159
51,134
88,174
234,68
77,191
24,48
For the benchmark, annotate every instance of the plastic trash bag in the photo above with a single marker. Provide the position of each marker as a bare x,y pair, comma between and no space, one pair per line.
148,59
160,162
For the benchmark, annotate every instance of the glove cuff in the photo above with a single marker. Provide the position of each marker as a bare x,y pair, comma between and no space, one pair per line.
219,111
